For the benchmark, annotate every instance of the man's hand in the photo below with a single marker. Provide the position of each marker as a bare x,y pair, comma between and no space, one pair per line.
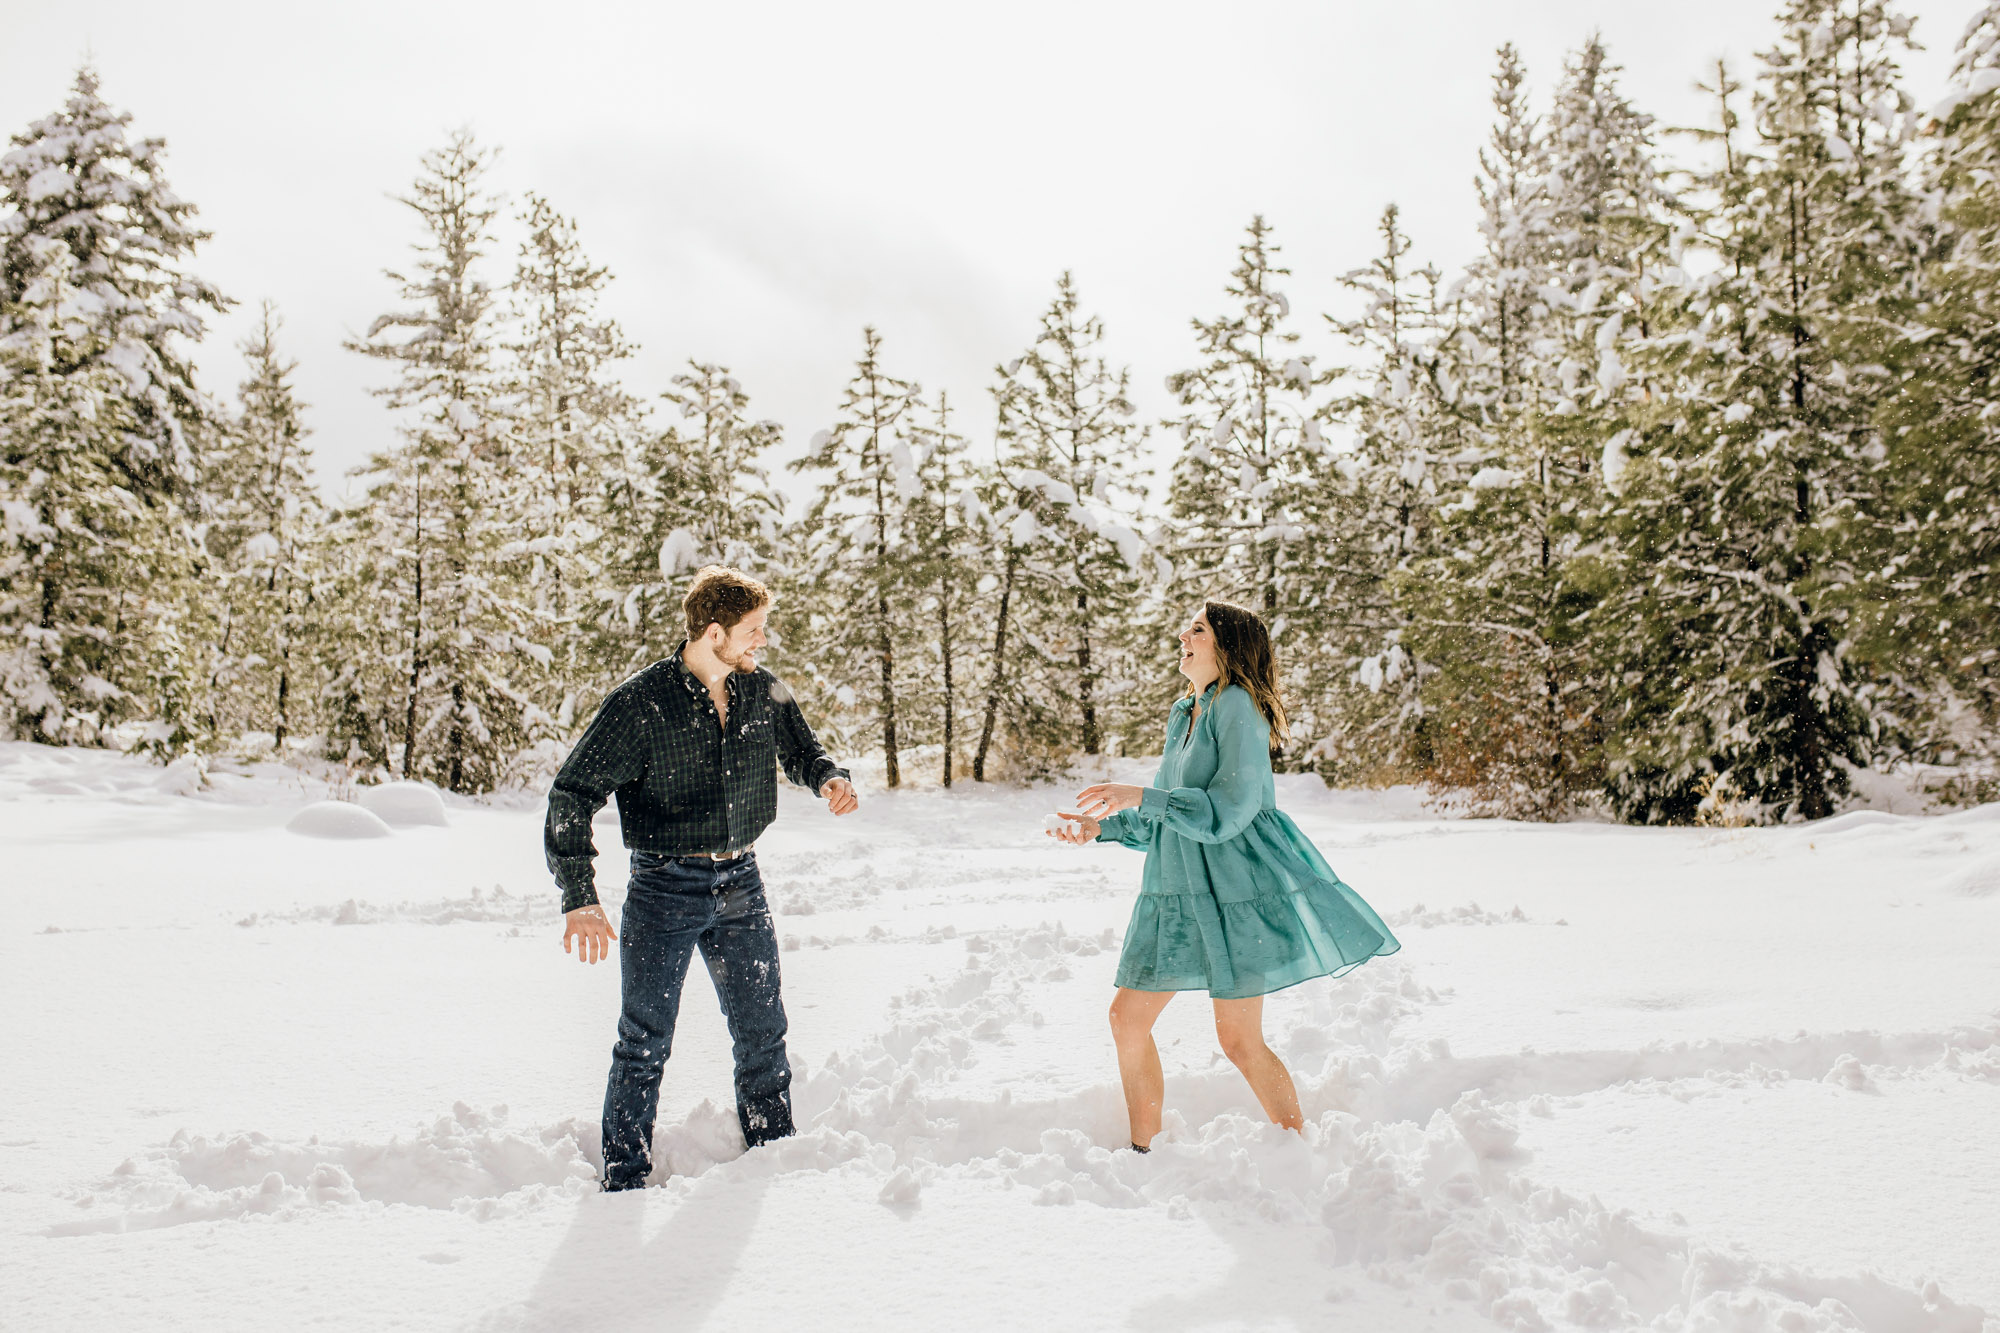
840,797
593,933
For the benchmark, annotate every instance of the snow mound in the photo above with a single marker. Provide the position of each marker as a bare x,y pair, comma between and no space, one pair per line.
184,776
468,1161
1469,914
405,804
1978,814
337,819
1855,819
1981,879
477,906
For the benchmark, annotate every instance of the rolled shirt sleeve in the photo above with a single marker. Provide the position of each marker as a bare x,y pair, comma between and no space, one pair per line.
609,756
1232,798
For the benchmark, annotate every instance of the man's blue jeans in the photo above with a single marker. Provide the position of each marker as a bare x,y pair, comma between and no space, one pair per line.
675,905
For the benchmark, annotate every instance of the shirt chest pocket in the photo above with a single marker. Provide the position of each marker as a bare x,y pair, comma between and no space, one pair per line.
756,739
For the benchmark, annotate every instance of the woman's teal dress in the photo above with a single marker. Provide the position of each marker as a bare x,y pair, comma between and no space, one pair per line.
1234,899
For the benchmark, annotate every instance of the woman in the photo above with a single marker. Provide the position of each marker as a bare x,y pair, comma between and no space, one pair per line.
1234,899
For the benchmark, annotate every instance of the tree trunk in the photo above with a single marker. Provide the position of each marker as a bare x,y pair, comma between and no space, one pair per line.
999,677
944,641
1085,683
1809,724
455,770
417,665
51,596
892,772
284,693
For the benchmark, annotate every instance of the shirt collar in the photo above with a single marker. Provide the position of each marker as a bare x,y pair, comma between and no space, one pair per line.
681,666
1186,701
692,681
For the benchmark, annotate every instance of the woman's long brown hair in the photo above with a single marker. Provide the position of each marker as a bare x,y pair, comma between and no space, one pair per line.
1244,656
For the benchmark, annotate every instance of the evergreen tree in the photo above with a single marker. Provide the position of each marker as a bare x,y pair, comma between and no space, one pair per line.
727,505
1757,484
72,528
942,571
263,527
854,540
1569,215
1396,415
442,504
1071,452
1933,628
693,493
1000,515
1250,437
573,427
101,425
75,177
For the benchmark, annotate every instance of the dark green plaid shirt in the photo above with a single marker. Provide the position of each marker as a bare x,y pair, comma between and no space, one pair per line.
684,785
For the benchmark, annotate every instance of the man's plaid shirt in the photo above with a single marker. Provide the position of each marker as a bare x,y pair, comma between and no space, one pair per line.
683,784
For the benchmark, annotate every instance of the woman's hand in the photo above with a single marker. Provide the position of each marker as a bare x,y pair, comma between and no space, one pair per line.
1108,798
1076,829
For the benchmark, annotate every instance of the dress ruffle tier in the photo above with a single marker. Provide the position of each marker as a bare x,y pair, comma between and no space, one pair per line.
1277,916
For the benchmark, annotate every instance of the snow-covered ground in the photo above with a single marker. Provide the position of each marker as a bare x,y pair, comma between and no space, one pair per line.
1728,1080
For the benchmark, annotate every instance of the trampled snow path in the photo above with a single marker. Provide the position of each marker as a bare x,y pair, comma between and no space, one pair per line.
1616,1078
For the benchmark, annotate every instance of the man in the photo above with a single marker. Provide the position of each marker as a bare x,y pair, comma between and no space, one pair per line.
690,746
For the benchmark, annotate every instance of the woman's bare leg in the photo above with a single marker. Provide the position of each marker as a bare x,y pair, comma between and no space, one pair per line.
1239,1026
1133,1013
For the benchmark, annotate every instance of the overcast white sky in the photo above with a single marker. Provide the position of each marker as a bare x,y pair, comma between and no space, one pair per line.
763,179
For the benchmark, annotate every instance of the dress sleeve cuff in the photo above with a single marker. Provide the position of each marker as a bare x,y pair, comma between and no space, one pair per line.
1154,802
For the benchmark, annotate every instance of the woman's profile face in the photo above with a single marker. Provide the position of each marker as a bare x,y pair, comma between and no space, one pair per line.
1198,651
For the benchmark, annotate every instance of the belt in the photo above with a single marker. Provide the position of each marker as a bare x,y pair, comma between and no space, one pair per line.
719,856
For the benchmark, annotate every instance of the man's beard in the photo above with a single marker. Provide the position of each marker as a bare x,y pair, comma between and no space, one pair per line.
740,662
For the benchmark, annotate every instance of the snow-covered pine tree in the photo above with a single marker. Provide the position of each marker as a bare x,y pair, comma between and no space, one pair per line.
442,504
1569,215
942,570
1756,483
1242,421
102,423
72,527
573,431
263,524
693,493
358,618
1396,414
853,546
1070,449
76,177
1935,598
1478,601
1253,461
728,506
1004,525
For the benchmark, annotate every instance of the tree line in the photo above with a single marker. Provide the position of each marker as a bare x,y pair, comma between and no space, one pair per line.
1679,499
